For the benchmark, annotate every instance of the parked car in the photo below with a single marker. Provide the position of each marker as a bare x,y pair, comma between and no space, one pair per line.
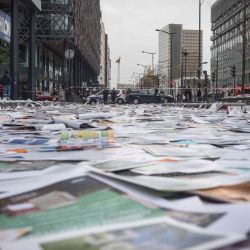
98,98
43,96
121,98
147,96
169,98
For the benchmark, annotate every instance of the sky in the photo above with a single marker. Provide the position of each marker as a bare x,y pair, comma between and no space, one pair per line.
131,25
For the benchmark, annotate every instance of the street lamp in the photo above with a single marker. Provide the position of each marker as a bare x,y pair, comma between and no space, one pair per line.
152,54
185,53
200,63
171,50
144,67
137,76
217,66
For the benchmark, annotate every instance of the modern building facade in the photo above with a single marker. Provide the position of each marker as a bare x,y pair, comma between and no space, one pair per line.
105,67
60,26
230,31
20,27
178,55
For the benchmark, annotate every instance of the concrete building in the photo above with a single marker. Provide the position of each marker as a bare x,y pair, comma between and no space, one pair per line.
108,64
230,28
178,55
105,67
57,27
101,77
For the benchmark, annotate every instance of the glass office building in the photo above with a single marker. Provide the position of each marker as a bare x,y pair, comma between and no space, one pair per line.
228,18
59,26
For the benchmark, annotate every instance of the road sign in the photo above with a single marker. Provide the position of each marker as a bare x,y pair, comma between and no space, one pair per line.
5,26
69,53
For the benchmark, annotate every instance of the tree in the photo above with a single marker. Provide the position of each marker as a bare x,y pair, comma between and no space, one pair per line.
150,80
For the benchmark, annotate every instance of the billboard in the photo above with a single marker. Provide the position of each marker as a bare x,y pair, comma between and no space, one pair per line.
5,26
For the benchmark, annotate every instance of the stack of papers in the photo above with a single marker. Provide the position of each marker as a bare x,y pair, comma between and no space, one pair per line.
128,177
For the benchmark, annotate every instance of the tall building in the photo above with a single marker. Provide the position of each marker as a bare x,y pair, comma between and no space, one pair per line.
229,27
108,63
178,55
101,77
60,26
105,67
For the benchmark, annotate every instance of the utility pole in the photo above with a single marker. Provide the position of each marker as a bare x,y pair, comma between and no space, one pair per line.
185,53
217,70
244,43
14,64
233,74
206,83
213,78
199,70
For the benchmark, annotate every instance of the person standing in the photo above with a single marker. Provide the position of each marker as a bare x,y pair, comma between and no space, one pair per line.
199,95
105,94
156,96
7,82
1,91
189,94
113,95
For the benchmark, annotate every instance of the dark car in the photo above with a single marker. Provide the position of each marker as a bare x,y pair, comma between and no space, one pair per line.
147,96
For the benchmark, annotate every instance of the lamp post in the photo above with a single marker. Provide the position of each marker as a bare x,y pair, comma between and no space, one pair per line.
144,67
144,74
200,63
152,54
217,66
171,50
137,76
185,53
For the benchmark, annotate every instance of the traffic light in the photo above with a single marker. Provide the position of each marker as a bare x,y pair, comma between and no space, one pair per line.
198,73
213,77
233,71
206,75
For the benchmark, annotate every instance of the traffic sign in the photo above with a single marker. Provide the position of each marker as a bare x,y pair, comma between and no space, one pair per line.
69,53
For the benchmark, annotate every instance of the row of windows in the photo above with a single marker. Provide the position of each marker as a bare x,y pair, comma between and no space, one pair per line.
229,12
229,45
225,71
228,81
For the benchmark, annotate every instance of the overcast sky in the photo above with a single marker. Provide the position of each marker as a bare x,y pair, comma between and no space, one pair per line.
131,24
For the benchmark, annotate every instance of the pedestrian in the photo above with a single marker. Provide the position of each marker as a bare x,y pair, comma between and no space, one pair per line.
113,95
6,81
179,96
87,93
185,95
199,95
162,96
105,94
189,94
1,91
156,96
